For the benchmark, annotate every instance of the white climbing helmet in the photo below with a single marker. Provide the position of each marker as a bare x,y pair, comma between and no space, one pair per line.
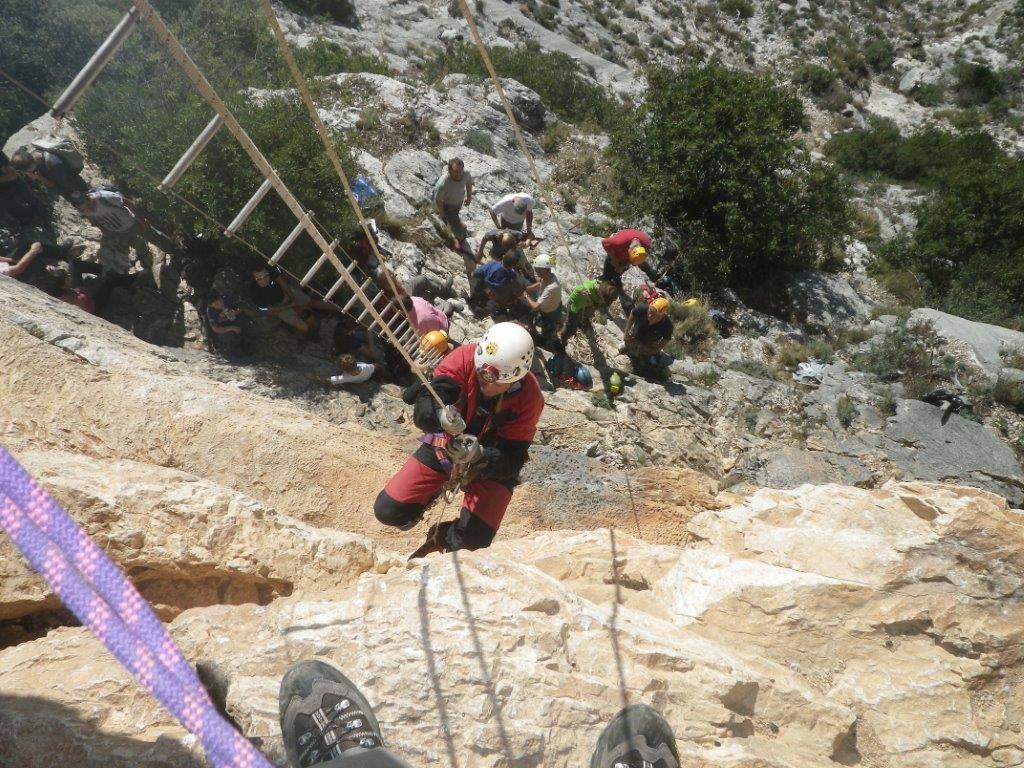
544,261
504,354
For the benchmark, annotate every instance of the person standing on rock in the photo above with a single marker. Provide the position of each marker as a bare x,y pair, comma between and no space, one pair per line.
626,248
583,301
453,190
481,437
648,330
546,299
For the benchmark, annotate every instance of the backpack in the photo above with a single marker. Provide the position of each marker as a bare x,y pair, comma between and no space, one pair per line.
64,148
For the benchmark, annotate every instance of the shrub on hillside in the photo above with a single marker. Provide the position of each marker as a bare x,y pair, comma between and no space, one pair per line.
909,354
742,9
919,158
968,247
323,57
714,156
556,77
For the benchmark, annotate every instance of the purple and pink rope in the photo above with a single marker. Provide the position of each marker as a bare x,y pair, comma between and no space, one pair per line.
103,599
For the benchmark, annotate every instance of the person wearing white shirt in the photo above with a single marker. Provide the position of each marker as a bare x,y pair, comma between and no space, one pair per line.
352,372
513,212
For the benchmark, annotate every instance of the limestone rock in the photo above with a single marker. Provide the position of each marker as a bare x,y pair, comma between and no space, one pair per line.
989,342
185,541
811,627
825,300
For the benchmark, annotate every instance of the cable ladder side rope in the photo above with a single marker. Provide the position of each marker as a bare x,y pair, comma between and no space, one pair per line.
321,129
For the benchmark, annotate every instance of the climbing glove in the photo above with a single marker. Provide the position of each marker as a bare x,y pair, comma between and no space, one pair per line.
451,420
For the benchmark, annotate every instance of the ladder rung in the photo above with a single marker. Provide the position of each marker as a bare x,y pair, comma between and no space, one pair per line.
382,312
191,153
292,237
95,65
334,289
319,263
248,208
355,297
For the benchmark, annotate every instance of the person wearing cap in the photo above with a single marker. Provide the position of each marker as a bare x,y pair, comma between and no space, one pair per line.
491,404
626,248
648,330
545,298
514,212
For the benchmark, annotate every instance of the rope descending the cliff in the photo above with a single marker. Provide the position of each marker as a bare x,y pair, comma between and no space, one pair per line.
103,599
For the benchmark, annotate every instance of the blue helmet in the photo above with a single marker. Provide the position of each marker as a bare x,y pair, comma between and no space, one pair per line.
583,376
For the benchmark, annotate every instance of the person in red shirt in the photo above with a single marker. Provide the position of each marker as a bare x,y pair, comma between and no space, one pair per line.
493,404
626,248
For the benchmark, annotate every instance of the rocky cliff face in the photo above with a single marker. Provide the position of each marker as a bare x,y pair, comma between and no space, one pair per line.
814,627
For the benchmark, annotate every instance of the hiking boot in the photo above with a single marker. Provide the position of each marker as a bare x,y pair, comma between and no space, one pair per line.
324,715
637,737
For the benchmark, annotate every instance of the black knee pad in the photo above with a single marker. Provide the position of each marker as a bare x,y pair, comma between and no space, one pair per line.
396,513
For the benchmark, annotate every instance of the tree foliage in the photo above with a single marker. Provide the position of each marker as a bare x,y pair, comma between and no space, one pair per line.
712,154
143,106
968,247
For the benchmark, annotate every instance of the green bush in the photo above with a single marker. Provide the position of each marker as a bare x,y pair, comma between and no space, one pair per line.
743,9
815,79
479,140
846,410
968,246
1010,394
920,158
880,54
929,94
977,84
556,77
340,11
323,57
716,158
908,354
44,45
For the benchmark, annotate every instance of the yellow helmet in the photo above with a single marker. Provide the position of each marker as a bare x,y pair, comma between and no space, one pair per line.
637,255
660,304
691,302
435,341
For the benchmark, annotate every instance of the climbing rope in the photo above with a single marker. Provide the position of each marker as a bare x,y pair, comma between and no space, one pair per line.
517,131
307,99
110,607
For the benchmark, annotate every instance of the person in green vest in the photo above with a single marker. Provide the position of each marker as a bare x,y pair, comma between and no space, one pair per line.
580,306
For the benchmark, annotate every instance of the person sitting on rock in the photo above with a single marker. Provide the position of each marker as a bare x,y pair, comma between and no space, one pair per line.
425,316
16,199
16,263
49,169
352,372
271,292
492,405
546,299
648,330
350,338
224,316
66,282
583,301
626,248
453,190
327,722
514,212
